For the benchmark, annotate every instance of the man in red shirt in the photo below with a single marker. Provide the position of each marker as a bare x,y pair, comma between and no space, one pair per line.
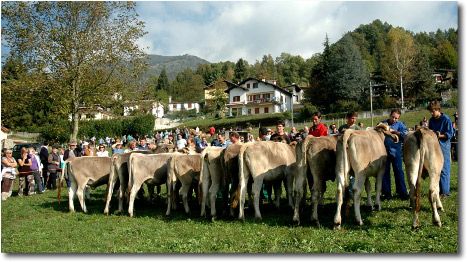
318,129
212,130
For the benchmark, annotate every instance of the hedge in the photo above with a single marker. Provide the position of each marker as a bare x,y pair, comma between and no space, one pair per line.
59,131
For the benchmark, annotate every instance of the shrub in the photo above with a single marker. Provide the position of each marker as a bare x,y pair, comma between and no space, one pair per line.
344,106
306,112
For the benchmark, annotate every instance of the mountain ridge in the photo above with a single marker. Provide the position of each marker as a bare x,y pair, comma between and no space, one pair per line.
172,64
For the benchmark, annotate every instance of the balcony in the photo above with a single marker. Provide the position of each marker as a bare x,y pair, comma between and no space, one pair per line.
262,100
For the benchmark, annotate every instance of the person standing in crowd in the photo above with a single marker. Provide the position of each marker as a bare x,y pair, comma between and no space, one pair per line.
234,137
441,124
263,134
360,124
90,151
306,131
333,130
8,173
424,122
215,141
71,152
222,141
142,145
181,142
117,148
204,143
192,147
212,131
293,134
280,131
456,117
44,155
36,167
251,138
54,166
25,173
318,129
351,120
131,146
102,151
394,151
93,140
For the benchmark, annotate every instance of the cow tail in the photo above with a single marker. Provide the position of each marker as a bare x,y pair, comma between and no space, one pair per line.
346,162
204,156
130,177
241,173
111,175
420,144
170,180
302,161
60,182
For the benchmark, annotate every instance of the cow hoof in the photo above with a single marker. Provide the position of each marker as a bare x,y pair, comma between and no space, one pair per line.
359,223
415,227
337,227
378,208
258,219
437,223
317,223
106,213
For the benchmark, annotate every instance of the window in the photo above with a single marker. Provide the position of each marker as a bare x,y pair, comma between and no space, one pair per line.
255,85
174,107
247,85
257,97
250,98
189,105
266,96
256,111
236,98
249,111
266,110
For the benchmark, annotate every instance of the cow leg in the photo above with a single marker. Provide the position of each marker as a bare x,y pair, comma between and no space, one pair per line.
433,195
412,174
87,191
71,194
379,187
170,197
368,193
151,193
185,190
277,193
205,188
80,194
110,185
289,190
315,199
258,183
339,199
134,190
243,185
300,185
158,196
216,181
357,194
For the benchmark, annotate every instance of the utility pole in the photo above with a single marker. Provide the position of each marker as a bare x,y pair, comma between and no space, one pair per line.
371,103
402,92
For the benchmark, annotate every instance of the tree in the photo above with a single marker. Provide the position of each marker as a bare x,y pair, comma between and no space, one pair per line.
163,82
347,76
87,47
241,68
400,54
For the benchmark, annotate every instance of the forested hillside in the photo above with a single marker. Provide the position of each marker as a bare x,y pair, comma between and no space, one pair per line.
338,78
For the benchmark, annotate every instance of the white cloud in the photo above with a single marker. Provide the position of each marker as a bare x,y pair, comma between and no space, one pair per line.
221,31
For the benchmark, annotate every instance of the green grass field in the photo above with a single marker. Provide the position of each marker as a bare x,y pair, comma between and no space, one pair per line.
38,224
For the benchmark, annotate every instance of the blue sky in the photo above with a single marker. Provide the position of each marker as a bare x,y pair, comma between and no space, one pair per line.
221,31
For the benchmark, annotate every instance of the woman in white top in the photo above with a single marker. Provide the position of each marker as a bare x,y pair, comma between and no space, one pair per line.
102,151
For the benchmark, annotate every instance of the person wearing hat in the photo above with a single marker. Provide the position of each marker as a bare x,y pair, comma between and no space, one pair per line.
85,146
90,151
117,147
72,151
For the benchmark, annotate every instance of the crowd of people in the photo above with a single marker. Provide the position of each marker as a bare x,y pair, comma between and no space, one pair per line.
38,172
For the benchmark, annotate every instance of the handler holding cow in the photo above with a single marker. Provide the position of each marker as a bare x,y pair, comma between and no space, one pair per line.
394,151
441,124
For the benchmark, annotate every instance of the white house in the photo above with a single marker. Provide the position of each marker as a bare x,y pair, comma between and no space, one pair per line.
96,112
157,109
177,106
297,93
253,96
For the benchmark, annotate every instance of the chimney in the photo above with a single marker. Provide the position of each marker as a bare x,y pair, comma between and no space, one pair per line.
274,82
170,99
264,80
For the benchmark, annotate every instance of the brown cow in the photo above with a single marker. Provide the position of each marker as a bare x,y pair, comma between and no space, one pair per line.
183,168
211,177
364,152
316,161
82,171
423,158
269,162
229,163
149,168
119,171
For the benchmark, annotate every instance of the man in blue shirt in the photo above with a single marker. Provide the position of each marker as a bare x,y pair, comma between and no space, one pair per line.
222,141
394,151
442,125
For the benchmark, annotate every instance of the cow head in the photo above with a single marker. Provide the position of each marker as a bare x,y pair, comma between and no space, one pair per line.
384,128
280,139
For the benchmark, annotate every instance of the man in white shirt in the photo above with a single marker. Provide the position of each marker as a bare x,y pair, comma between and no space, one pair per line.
181,142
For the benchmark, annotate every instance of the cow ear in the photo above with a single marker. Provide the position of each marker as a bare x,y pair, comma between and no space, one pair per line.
393,137
293,144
